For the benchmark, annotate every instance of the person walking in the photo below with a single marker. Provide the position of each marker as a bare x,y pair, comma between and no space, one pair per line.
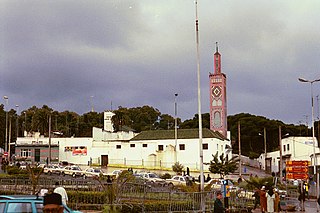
276,201
263,199
302,196
256,196
60,190
218,206
270,200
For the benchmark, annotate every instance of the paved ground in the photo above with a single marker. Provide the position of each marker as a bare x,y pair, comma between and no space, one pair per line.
310,207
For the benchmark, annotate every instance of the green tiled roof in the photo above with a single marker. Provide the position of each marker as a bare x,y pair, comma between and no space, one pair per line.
182,134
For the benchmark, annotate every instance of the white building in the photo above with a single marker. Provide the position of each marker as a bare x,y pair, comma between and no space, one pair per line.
148,149
293,149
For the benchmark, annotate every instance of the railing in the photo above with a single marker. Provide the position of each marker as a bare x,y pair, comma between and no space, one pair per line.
92,194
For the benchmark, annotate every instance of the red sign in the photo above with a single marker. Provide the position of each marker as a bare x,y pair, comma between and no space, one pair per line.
5,153
297,169
298,163
296,176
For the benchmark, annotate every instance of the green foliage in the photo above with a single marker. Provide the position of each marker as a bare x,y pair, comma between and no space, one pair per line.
14,170
134,206
149,118
222,165
257,183
177,168
165,176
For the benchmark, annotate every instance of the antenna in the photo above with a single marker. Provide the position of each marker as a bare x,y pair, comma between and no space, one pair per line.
217,47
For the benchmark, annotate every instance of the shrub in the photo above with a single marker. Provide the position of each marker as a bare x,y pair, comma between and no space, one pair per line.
165,176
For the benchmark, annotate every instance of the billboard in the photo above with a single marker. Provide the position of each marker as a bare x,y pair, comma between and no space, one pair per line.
76,150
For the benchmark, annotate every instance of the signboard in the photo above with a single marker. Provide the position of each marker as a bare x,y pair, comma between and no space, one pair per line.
297,169
5,153
297,163
297,176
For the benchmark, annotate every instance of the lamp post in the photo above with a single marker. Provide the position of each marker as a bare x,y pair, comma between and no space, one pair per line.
17,122
199,109
175,127
313,135
265,147
6,134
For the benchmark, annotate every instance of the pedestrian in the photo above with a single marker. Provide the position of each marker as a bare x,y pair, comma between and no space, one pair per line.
208,178
256,196
52,203
270,200
302,197
306,189
218,206
60,190
263,199
276,201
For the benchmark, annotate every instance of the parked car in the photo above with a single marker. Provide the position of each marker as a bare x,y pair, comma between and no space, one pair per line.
52,169
152,178
25,203
93,172
179,180
114,174
74,171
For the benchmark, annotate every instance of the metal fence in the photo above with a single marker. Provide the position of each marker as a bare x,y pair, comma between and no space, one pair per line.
96,195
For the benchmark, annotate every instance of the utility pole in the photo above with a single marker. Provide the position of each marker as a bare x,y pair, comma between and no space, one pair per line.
175,128
280,144
17,122
49,159
239,140
9,146
265,148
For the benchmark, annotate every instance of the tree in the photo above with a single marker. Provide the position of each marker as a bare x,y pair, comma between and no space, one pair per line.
177,168
223,165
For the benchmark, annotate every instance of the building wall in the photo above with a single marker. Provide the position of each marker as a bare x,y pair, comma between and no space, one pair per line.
145,152
300,148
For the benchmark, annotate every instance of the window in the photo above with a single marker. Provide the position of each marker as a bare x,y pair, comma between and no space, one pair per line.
182,147
19,207
118,147
288,147
132,145
144,145
25,152
284,148
2,205
205,146
160,147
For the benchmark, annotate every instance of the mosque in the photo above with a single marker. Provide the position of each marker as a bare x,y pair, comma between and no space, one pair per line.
148,149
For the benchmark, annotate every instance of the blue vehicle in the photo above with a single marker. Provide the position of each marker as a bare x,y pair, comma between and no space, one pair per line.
25,203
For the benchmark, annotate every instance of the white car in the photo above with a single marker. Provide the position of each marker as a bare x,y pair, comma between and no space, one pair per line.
152,177
92,172
74,171
178,180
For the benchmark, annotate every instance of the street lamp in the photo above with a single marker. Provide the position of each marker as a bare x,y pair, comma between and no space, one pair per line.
17,122
6,134
175,127
265,147
313,135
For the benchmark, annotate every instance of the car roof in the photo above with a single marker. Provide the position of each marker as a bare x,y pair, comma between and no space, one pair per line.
20,197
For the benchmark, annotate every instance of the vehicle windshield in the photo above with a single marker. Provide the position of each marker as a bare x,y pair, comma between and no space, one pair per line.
97,170
151,175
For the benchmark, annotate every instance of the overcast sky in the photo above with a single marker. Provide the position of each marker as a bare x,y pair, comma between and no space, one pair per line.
72,54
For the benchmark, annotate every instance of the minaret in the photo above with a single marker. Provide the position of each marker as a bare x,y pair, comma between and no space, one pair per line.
218,97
